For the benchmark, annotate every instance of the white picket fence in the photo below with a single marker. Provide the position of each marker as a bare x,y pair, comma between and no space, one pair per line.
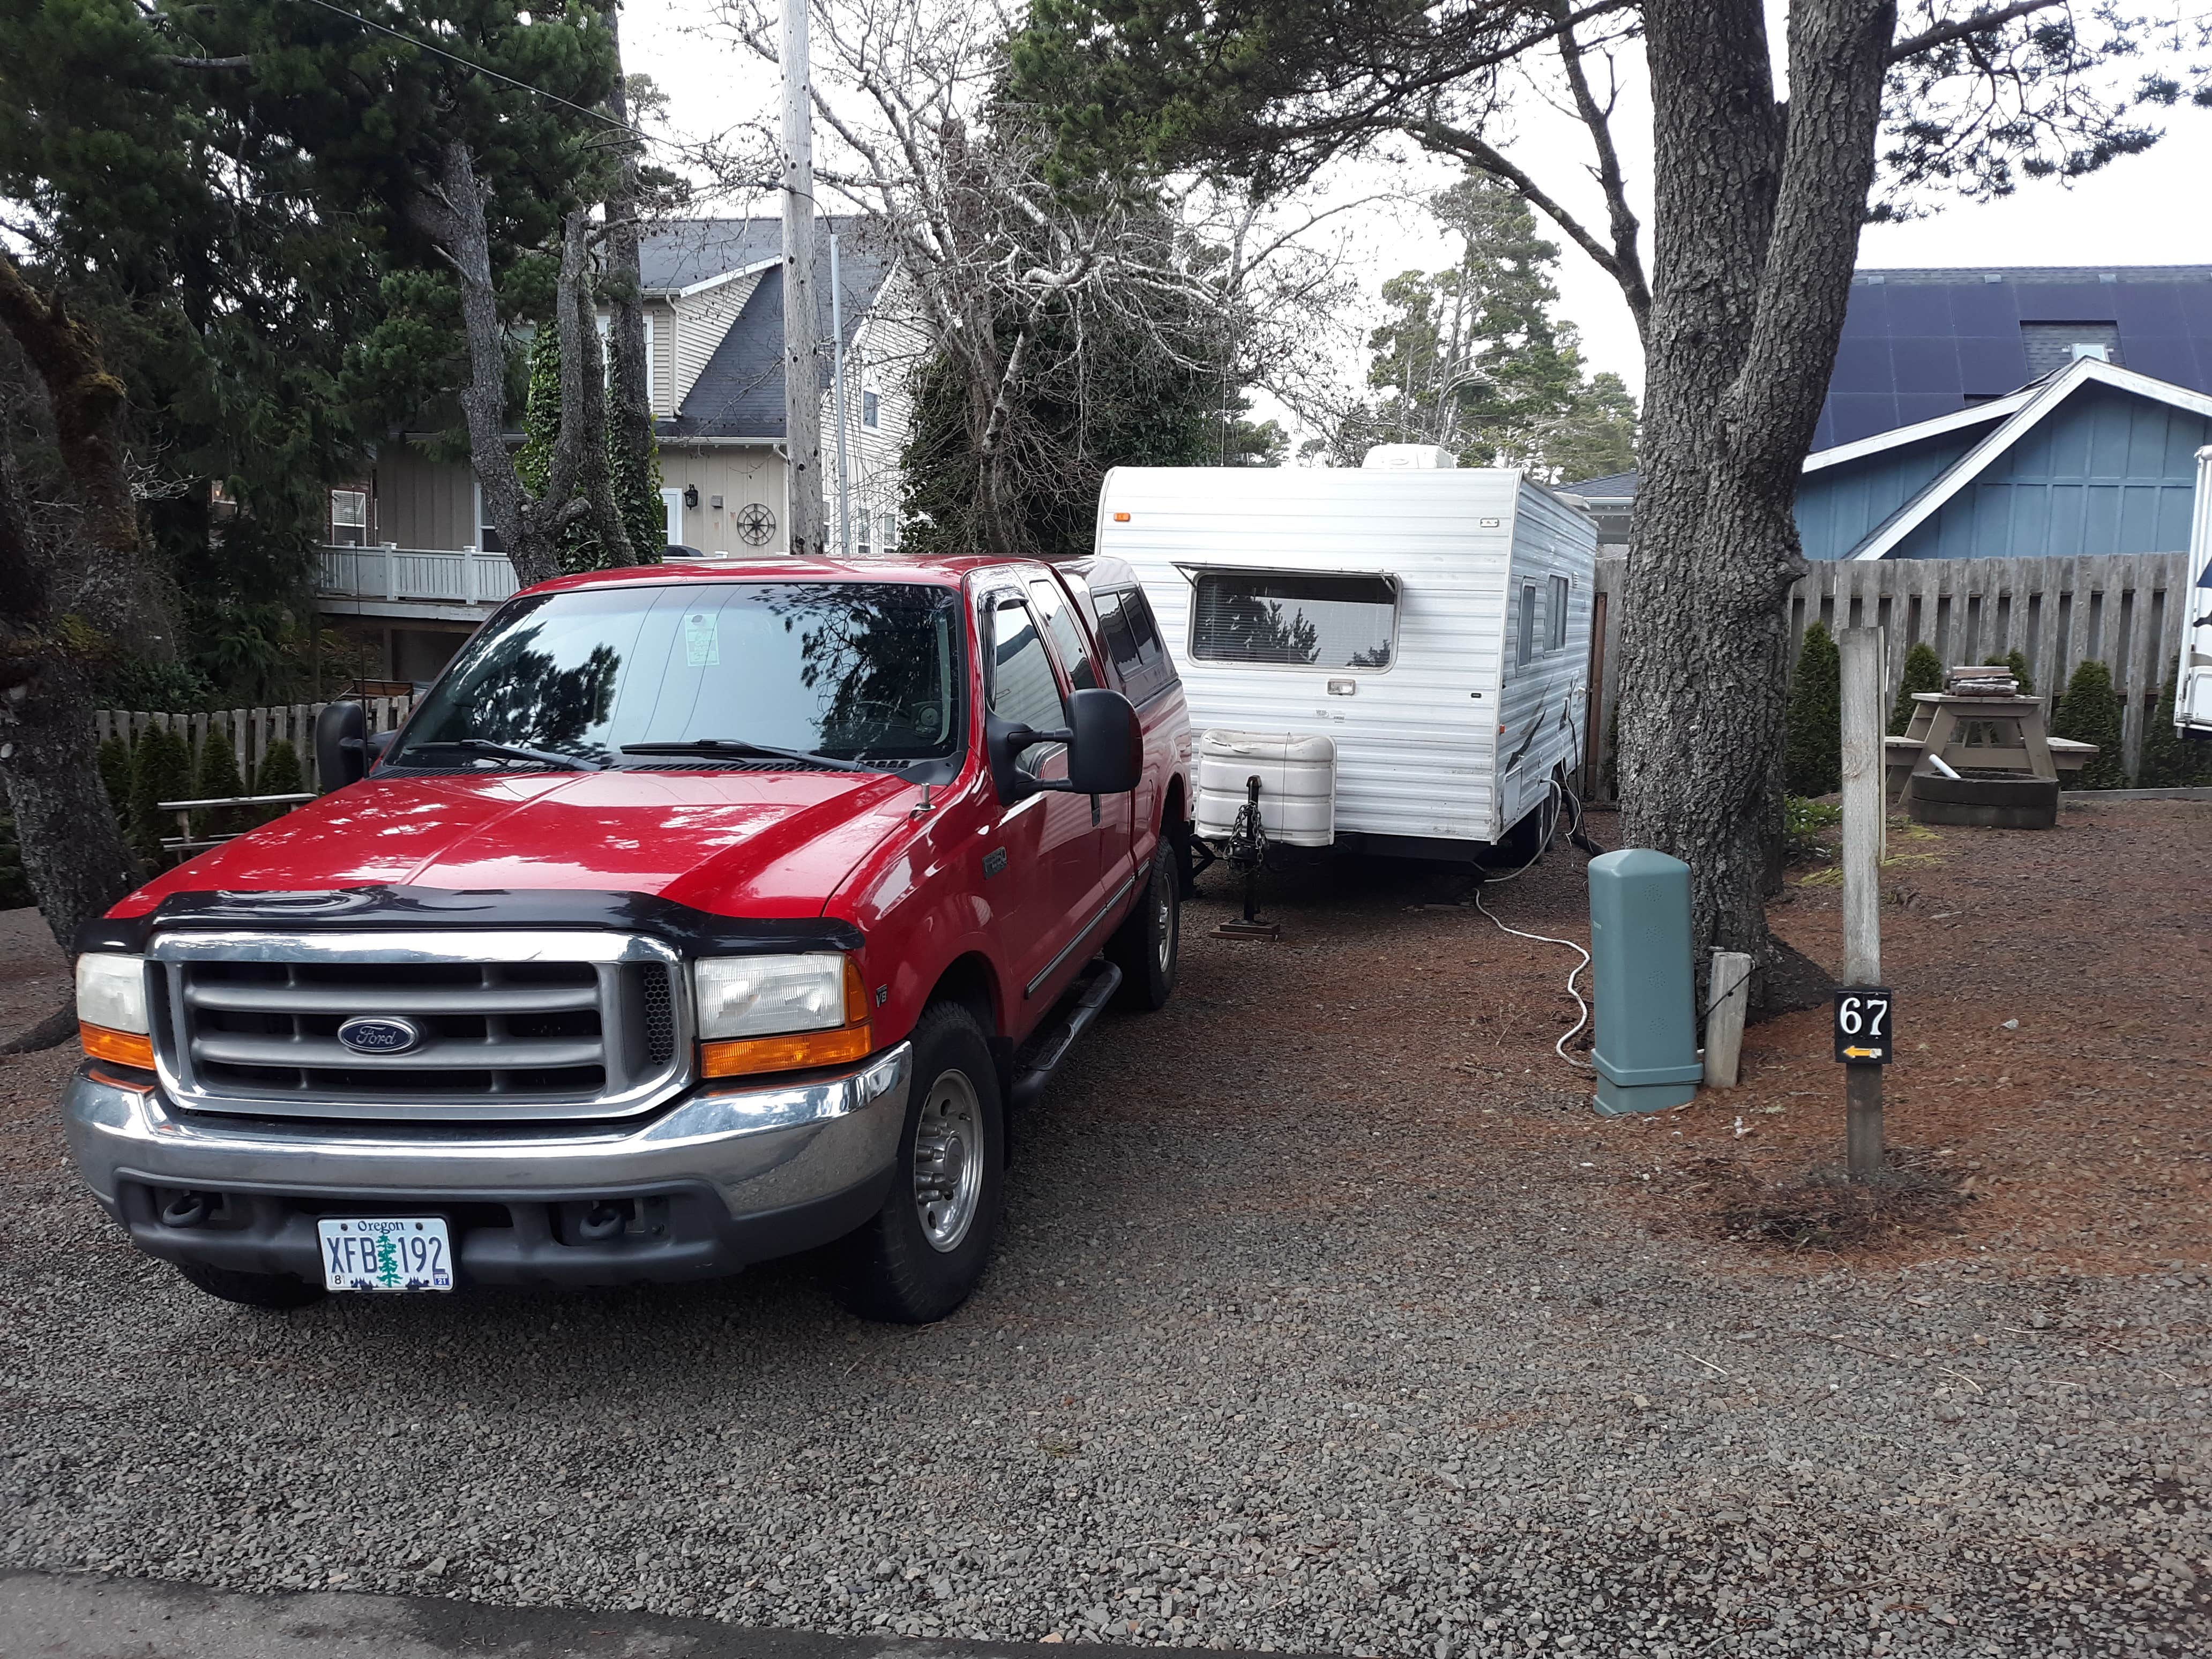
251,730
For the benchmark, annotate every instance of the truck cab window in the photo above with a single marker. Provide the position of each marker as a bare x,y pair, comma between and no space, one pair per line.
1023,685
1290,617
1068,640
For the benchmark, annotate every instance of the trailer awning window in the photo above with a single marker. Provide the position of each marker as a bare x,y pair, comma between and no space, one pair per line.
1293,617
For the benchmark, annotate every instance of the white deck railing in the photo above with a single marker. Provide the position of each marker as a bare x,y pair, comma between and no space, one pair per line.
388,572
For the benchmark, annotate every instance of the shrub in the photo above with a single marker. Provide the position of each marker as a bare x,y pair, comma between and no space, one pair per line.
14,888
277,774
2090,713
1803,826
1813,759
214,779
2016,660
2171,761
115,775
160,769
1924,671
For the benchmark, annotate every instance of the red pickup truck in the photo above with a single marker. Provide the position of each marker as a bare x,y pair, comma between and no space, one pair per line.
699,914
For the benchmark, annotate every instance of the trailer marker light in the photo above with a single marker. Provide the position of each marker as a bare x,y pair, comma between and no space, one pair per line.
1120,518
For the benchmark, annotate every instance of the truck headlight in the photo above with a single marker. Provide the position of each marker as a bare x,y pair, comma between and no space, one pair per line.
111,1009
780,1013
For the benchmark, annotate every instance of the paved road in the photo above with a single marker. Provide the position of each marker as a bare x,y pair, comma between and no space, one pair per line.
75,1616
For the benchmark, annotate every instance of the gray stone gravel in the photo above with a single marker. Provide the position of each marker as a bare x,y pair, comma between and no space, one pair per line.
1280,1352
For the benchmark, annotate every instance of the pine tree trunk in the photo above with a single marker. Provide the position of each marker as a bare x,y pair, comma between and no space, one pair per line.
74,855
1758,212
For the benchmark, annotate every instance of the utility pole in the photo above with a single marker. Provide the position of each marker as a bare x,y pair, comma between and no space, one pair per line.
837,397
802,371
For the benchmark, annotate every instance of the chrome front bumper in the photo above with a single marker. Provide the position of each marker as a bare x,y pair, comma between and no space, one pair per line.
750,1173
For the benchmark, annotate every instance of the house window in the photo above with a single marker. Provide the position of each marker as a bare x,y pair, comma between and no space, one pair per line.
871,411
348,518
1555,617
1291,617
1525,644
2082,349
890,530
862,519
487,540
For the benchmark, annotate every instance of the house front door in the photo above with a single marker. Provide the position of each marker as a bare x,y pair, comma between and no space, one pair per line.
671,503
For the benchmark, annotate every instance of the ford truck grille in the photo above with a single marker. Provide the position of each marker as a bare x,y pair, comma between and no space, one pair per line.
492,1025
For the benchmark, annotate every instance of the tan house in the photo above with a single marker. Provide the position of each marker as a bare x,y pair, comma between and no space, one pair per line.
412,565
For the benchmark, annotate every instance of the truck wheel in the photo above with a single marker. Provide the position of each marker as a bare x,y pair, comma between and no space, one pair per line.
1147,947
277,1292
925,1248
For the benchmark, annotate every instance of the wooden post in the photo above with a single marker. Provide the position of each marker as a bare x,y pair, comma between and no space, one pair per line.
1861,649
802,368
1726,993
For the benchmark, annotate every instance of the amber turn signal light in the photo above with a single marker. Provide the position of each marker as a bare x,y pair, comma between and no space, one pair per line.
116,1048
745,1056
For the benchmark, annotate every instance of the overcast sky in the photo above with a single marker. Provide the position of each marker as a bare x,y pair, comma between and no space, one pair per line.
2143,209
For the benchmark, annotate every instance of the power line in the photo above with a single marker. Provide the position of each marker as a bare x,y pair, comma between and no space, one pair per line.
479,69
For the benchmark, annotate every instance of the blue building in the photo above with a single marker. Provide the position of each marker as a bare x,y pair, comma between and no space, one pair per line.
2009,413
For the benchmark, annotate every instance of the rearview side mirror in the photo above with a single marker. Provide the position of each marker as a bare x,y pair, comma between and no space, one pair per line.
341,758
1105,749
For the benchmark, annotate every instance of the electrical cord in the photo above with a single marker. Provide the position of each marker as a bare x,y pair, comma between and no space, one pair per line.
1559,799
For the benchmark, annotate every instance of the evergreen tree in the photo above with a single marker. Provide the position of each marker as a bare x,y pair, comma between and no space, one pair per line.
1812,763
1472,358
2016,660
216,778
2171,761
278,775
1924,671
160,769
115,773
2089,711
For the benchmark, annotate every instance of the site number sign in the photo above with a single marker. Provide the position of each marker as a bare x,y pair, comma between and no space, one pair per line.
1863,1036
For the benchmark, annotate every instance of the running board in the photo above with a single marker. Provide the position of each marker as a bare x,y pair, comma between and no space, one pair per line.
1041,1054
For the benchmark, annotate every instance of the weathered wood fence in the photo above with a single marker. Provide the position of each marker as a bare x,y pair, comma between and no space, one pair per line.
251,730
2123,609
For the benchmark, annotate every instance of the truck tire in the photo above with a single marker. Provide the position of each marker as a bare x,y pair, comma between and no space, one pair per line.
925,1250
277,1292
1147,947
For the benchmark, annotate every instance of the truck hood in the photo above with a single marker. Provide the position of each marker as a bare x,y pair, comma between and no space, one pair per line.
734,843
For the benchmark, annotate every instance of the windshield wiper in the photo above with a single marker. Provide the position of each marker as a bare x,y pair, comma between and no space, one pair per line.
737,747
492,746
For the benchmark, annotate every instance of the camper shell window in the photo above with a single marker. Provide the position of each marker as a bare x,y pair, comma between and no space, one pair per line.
1294,618
1126,628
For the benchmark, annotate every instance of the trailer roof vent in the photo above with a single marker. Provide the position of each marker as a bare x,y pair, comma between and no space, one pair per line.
1399,458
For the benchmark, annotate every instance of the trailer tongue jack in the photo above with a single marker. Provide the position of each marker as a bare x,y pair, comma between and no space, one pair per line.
1246,853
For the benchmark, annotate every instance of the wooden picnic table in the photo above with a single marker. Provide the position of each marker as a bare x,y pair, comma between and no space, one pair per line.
2008,736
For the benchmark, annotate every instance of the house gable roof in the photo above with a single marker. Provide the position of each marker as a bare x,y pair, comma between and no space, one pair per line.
2038,402
739,392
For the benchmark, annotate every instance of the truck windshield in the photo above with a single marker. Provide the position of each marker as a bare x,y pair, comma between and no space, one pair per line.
867,672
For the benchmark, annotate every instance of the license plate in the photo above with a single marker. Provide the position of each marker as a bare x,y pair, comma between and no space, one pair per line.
409,1253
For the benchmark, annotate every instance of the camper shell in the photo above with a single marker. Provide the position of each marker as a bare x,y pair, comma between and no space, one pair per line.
1433,623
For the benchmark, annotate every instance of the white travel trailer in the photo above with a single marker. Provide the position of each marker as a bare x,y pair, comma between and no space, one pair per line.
1433,621
2192,701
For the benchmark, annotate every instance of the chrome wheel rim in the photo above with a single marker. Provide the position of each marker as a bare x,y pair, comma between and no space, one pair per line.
948,1161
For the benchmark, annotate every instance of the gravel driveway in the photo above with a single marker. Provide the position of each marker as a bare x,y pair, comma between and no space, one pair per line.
1321,1322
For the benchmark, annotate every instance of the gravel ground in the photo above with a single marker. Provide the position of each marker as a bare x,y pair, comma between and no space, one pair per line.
1326,1319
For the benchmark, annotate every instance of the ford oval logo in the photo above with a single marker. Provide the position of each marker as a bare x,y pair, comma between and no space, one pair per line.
379,1034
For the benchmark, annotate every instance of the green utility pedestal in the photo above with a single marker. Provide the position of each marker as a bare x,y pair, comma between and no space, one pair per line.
1646,1049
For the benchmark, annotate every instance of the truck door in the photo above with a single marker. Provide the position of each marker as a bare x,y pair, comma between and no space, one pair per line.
1082,669
1043,869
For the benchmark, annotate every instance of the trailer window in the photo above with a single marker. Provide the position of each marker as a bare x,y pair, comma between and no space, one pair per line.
1556,615
1525,644
1288,617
